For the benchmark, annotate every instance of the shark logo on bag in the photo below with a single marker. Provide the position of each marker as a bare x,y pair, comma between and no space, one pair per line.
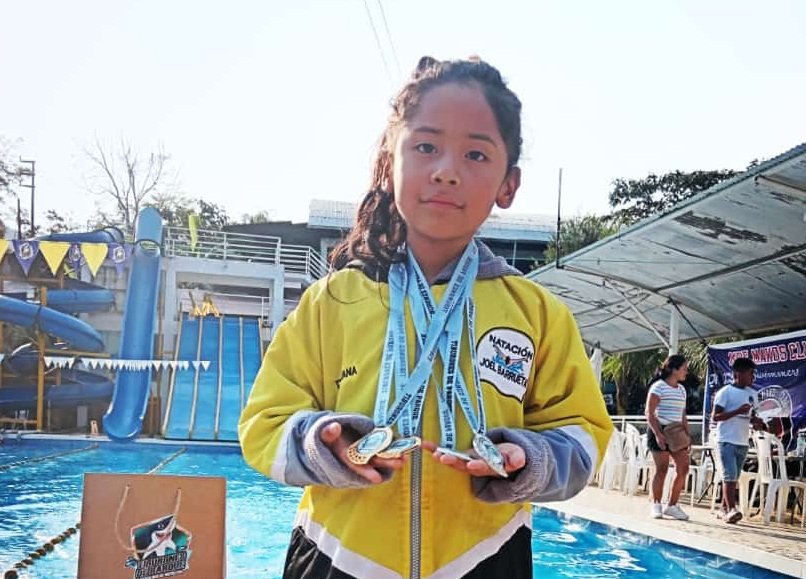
163,549
505,359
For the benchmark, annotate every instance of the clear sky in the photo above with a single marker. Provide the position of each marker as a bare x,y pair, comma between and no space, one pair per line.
264,105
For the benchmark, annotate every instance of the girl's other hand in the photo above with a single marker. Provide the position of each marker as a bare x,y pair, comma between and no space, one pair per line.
338,440
514,459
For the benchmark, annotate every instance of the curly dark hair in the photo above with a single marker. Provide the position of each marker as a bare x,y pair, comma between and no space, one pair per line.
379,229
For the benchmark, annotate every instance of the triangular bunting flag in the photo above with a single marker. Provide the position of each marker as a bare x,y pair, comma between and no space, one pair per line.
195,364
166,364
184,365
94,253
205,364
74,257
54,252
3,248
26,252
156,364
119,254
2,357
48,361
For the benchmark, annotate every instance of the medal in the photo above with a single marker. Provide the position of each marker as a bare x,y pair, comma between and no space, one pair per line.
363,449
400,447
490,454
454,453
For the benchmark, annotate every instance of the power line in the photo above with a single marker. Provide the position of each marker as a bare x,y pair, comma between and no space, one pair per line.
378,42
389,36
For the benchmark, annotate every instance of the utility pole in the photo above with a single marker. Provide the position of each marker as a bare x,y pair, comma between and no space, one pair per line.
32,174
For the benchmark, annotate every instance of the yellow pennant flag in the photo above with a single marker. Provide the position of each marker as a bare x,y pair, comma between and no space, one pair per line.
193,227
54,252
4,243
95,254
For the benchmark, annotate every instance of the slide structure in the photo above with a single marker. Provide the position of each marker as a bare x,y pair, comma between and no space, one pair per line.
124,418
205,401
76,387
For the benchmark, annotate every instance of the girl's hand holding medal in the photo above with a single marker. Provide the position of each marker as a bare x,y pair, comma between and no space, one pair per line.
514,459
338,440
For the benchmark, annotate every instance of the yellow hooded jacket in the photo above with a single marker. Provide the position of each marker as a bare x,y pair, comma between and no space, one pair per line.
427,520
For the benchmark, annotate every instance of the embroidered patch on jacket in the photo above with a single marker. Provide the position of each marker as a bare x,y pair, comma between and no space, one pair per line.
505,360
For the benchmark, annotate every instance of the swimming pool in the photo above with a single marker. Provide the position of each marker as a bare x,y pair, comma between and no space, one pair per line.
39,500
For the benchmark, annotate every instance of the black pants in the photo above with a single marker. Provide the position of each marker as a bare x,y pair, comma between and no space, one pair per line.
512,561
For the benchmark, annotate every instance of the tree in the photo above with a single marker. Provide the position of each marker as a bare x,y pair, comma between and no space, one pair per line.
176,208
127,179
579,232
10,171
10,178
261,216
634,200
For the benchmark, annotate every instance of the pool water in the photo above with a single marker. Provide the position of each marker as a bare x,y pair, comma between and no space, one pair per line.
39,500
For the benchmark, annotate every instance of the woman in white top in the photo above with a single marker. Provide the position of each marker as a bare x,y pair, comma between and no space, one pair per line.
666,405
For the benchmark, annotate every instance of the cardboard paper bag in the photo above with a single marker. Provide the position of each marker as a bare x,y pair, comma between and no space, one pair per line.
139,526
677,437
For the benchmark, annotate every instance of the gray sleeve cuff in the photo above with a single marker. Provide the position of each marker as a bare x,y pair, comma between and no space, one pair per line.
526,484
320,465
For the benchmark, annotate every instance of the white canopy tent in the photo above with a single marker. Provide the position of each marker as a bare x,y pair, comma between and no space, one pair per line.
731,260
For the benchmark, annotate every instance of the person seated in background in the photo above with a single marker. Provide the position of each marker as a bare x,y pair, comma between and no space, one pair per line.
734,414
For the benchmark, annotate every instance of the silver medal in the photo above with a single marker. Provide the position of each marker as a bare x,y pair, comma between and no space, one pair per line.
490,454
400,447
363,449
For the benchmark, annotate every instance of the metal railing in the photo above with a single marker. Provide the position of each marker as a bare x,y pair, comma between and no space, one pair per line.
212,244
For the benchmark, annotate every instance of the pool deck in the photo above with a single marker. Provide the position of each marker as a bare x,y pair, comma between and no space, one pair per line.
780,547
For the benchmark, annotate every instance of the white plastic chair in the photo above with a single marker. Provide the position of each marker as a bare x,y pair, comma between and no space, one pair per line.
786,483
777,486
614,464
639,462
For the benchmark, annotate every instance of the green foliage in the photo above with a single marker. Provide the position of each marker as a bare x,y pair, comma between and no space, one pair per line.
255,218
634,200
632,373
579,232
176,208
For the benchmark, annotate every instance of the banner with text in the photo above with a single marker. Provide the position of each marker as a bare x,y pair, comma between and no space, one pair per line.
780,381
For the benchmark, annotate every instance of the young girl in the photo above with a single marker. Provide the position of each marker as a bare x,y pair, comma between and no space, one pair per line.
666,405
422,338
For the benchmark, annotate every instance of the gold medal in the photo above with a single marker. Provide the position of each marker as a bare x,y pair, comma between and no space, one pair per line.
400,447
363,449
490,454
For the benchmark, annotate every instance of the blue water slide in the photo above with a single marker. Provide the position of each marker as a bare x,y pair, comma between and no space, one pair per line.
65,395
71,301
203,423
79,334
124,419
180,399
231,385
105,235
252,354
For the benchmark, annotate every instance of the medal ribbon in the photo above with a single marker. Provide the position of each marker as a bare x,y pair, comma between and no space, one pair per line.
410,390
454,386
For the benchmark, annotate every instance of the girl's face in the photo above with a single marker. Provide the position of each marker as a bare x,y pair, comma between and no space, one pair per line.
681,372
450,166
